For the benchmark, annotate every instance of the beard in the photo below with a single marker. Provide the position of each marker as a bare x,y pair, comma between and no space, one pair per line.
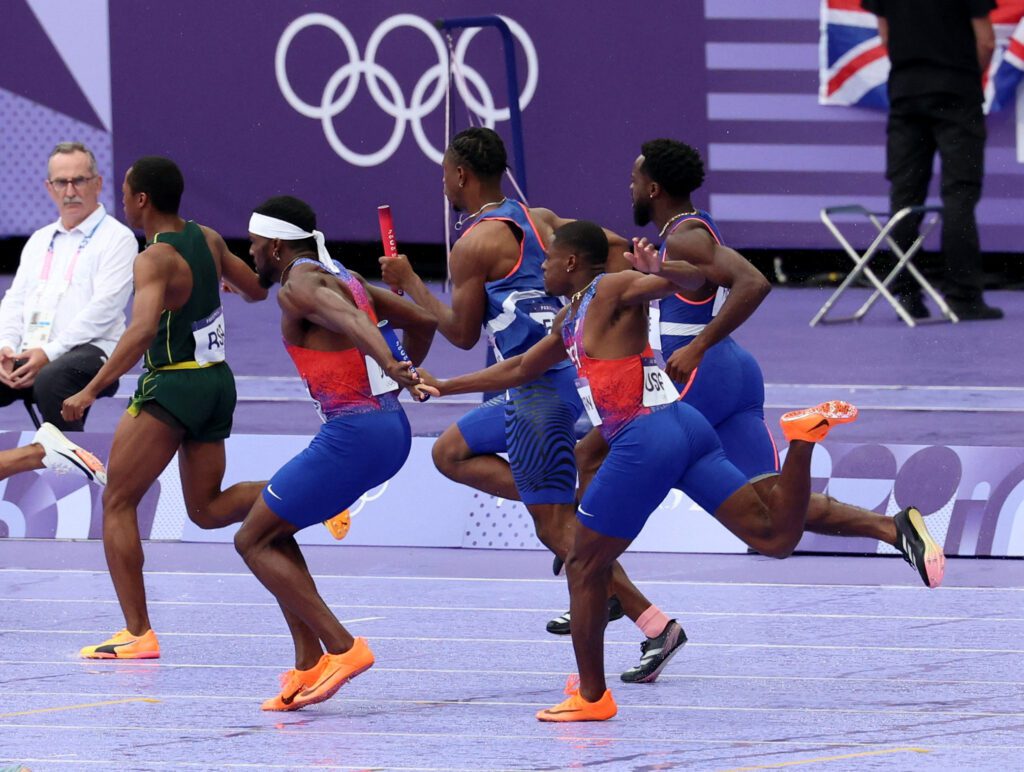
265,280
641,213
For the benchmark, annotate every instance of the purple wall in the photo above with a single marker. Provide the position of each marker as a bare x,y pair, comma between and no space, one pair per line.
737,78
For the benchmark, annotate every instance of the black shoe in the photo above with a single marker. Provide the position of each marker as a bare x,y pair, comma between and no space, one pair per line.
918,547
969,311
913,304
560,625
556,565
655,654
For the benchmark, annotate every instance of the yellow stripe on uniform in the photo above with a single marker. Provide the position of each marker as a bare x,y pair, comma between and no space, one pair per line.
190,364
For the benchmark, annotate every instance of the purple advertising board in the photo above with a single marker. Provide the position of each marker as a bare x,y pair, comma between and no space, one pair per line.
343,104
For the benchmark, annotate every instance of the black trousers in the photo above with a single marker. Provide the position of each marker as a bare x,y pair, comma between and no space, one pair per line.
955,127
66,375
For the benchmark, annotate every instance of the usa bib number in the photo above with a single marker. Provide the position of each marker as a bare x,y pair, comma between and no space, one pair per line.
658,387
380,381
208,334
587,398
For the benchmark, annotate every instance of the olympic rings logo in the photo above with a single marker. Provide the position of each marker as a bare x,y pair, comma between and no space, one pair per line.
366,498
347,78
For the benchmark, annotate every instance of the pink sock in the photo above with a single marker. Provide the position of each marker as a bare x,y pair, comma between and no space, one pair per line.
652,622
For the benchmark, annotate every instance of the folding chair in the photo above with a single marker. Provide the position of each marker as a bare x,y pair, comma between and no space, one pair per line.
904,260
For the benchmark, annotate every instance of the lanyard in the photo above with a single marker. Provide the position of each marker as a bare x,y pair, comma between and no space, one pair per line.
44,276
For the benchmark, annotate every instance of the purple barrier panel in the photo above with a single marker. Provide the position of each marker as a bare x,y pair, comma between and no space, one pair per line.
342,104
972,498
51,505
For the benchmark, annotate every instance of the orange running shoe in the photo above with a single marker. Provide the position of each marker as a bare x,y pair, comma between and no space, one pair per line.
293,682
339,525
578,709
124,645
813,423
338,670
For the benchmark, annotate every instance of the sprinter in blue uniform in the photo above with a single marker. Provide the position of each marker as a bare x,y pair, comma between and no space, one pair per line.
718,376
657,442
498,286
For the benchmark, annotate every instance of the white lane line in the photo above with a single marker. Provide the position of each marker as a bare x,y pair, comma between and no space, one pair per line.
895,387
548,610
916,587
302,726
116,764
473,702
546,674
163,664
557,641
119,764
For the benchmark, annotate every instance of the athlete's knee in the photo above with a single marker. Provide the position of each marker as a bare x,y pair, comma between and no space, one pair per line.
448,452
778,543
555,524
768,538
585,568
246,543
204,520
119,498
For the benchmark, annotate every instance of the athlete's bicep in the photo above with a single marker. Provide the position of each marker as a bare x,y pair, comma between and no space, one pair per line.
728,268
642,289
469,296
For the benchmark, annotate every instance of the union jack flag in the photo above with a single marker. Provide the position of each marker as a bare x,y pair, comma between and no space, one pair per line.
854,66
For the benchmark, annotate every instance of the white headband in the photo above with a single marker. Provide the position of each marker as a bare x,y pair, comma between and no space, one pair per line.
273,228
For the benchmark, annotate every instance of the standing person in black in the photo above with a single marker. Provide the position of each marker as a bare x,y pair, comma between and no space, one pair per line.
938,50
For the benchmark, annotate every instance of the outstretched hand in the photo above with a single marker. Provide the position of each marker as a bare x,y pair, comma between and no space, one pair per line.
428,386
644,257
408,377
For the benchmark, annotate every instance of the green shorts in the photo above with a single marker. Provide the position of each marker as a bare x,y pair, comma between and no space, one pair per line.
202,400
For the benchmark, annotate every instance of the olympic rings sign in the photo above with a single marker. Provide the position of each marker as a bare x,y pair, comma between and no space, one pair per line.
347,78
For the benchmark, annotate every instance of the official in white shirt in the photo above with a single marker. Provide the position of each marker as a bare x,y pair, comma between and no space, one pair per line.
65,310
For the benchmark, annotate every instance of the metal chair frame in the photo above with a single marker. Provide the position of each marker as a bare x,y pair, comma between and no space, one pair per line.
884,222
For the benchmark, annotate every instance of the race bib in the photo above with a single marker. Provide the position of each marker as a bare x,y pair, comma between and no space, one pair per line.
658,387
654,325
380,381
208,334
316,403
545,318
587,398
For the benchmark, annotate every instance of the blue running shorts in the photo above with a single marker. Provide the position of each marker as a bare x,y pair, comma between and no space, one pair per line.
483,428
671,448
350,455
728,390
540,428
535,425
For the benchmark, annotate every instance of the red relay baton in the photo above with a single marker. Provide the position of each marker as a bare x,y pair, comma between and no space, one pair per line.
387,236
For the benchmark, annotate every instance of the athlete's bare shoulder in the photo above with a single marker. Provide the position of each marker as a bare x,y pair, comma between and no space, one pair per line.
546,221
160,254
489,246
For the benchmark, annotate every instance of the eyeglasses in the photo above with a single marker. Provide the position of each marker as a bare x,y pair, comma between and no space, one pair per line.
60,183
